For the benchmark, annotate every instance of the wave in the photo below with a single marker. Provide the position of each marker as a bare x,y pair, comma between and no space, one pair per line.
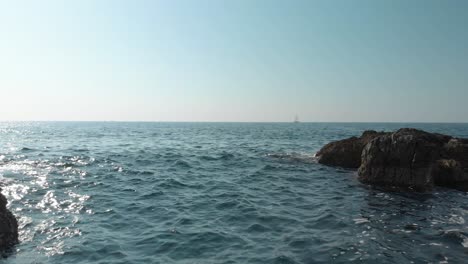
25,149
222,156
294,157
458,237
181,164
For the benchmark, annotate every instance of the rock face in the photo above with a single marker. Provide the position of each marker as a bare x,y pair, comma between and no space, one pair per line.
408,158
347,152
8,226
415,159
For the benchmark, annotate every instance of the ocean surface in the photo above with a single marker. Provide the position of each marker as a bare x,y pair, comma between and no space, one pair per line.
111,192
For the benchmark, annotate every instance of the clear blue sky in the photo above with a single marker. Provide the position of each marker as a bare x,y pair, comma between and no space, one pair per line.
238,60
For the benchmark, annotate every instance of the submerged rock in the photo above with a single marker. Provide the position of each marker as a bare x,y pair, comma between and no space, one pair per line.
408,158
347,152
8,226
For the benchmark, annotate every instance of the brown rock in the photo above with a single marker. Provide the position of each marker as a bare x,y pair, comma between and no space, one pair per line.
414,159
347,152
408,158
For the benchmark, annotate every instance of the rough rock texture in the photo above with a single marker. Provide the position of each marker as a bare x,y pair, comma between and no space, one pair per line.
415,159
408,158
8,226
347,152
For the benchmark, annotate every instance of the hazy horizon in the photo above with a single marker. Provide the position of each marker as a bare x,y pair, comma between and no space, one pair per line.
234,122
234,61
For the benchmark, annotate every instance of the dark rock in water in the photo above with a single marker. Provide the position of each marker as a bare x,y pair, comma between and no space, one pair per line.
347,152
414,159
408,158
8,226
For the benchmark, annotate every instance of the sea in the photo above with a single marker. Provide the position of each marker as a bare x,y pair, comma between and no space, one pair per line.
161,192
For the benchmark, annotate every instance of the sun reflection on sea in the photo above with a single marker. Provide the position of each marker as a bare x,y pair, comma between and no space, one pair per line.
30,184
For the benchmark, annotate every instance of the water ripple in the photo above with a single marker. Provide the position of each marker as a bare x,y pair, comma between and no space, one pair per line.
213,193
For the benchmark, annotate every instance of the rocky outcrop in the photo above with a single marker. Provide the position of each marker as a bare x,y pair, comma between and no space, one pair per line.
347,152
8,226
408,158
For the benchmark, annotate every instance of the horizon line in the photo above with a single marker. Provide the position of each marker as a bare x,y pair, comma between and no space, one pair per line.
199,121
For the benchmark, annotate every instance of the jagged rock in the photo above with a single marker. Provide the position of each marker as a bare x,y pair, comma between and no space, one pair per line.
347,152
408,158
415,159
8,226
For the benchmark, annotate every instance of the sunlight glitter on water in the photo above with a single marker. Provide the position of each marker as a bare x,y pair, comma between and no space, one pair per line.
33,189
218,193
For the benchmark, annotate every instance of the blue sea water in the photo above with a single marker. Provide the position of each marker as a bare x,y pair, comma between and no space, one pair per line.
111,192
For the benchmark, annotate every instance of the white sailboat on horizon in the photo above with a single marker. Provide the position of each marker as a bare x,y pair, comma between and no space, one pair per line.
296,119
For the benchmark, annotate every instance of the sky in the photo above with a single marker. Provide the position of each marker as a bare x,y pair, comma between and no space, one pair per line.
234,60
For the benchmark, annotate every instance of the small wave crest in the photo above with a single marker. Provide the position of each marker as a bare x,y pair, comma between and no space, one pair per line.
296,157
25,149
456,236
221,156
181,164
